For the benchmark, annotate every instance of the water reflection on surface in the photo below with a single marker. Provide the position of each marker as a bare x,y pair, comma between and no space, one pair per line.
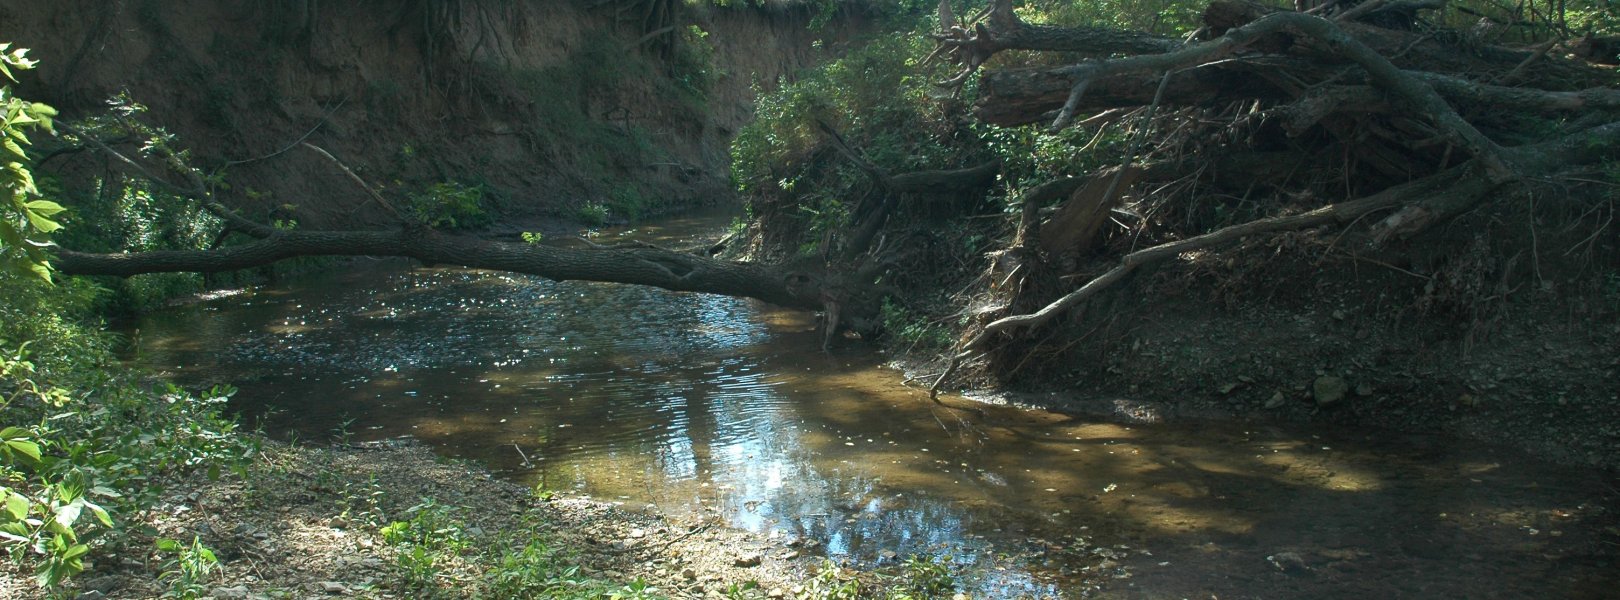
707,404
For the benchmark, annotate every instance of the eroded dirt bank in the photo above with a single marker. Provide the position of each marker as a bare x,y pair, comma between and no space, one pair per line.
551,106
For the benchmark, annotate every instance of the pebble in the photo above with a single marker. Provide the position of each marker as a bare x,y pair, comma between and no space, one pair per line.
1287,561
239,592
749,560
1329,389
333,587
1276,401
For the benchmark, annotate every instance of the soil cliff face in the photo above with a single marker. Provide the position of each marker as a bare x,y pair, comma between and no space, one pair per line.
551,105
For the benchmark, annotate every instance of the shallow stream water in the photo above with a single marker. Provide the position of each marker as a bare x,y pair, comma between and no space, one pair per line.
689,403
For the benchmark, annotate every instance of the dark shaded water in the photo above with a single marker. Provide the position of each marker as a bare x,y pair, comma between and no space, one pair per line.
691,403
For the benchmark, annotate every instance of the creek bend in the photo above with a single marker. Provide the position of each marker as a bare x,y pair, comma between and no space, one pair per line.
699,404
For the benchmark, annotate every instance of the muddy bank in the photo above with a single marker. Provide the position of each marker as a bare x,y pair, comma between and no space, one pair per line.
1337,343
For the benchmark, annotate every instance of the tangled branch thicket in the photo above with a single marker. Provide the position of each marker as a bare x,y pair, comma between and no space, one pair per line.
1375,118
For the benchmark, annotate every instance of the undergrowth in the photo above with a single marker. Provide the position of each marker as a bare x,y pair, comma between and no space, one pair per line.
86,445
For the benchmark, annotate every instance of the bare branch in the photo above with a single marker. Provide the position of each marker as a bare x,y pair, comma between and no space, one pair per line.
357,180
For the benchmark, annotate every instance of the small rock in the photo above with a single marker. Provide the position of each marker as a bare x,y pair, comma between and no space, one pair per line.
1364,389
91,595
749,560
239,592
1287,561
104,584
638,533
1329,389
333,587
887,555
1229,386
776,593
688,574
790,555
1276,401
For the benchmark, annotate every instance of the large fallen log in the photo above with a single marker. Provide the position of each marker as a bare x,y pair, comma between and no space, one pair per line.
640,265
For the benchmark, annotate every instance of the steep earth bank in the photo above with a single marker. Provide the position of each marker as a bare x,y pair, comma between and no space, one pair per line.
551,106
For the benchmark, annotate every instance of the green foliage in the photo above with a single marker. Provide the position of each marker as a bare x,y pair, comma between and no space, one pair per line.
518,564
833,583
914,329
594,214
81,444
533,238
877,97
1594,17
534,571
426,539
126,214
25,218
627,201
693,66
881,100
189,566
449,205
924,578
1167,17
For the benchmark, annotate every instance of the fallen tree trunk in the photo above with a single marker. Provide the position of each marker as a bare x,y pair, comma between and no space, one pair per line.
642,265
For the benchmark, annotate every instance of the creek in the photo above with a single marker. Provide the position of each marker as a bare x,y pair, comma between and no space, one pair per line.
710,405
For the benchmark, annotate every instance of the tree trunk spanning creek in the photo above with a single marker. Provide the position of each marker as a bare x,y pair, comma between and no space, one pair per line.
692,403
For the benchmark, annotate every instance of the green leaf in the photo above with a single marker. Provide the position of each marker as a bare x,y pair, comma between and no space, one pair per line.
23,177
27,448
45,208
168,545
12,146
12,433
17,506
40,270
100,513
43,224
68,514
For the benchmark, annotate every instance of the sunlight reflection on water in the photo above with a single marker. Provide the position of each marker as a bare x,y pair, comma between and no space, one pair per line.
714,405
